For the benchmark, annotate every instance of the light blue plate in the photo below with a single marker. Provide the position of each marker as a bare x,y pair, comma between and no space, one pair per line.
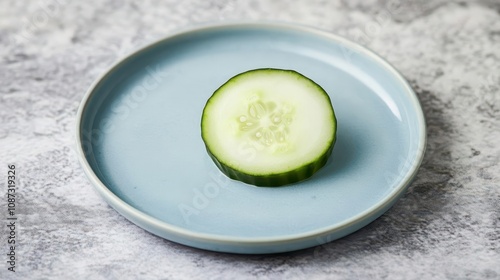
139,139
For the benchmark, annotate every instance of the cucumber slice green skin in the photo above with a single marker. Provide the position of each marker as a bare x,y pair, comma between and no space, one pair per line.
275,180
297,174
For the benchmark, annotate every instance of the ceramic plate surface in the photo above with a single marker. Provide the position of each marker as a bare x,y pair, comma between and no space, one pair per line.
139,139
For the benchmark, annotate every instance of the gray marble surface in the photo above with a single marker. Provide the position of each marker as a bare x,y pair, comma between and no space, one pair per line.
447,226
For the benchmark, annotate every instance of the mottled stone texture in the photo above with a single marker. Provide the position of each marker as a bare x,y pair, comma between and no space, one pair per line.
446,226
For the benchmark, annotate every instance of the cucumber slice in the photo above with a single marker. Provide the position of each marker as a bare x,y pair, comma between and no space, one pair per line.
269,127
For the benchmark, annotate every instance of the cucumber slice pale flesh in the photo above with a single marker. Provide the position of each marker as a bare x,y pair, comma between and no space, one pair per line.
269,127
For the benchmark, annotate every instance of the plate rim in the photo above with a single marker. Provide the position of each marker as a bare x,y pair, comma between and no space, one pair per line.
133,214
